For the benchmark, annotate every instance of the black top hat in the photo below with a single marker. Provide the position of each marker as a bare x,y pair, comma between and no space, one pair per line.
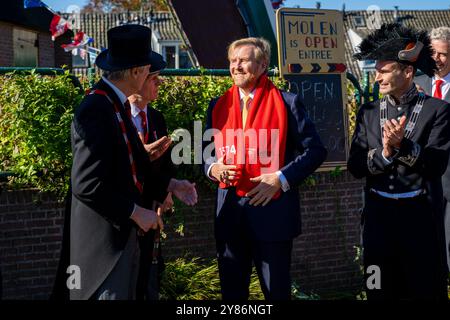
129,46
158,62
395,42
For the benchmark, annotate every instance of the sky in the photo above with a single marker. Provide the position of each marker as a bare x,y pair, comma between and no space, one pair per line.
62,5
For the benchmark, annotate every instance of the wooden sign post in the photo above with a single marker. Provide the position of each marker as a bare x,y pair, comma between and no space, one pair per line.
311,59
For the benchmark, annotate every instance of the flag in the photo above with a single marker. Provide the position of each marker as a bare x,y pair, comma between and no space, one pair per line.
58,26
33,4
80,39
276,3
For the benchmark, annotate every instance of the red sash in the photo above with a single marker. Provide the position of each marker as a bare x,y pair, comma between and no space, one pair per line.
260,148
137,183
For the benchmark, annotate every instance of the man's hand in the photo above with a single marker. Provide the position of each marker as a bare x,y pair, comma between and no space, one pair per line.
224,173
395,131
387,149
147,219
156,149
184,191
268,185
168,203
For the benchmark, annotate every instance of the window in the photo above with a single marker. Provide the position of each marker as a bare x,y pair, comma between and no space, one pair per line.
25,48
359,21
170,56
185,62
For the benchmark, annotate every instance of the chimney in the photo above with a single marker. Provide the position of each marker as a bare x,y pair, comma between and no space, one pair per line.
396,16
318,5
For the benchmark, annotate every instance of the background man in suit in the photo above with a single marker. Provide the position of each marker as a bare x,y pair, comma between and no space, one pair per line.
110,173
438,86
152,130
401,145
258,212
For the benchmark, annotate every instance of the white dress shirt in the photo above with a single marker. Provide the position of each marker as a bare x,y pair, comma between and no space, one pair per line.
444,87
137,120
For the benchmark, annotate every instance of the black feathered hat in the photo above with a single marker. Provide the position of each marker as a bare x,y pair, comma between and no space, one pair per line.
394,42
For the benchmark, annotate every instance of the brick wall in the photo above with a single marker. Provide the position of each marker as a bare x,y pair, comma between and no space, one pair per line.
30,241
46,55
6,45
63,58
323,256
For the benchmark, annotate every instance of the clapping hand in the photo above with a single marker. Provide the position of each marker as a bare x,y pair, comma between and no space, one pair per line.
395,131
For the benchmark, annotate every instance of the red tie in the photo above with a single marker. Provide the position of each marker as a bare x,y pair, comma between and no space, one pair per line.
144,125
437,90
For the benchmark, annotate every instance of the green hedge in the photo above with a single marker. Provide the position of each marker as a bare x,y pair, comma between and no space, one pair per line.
36,112
35,116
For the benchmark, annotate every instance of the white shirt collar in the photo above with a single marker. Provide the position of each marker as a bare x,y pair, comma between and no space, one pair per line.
120,94
135,110
446,78
242,94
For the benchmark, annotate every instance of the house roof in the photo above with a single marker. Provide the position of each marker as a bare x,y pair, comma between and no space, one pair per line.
210,27
419,19
33,18
96,25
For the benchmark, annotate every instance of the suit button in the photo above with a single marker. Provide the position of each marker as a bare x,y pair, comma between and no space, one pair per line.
391,177
391,187
399,108
398,118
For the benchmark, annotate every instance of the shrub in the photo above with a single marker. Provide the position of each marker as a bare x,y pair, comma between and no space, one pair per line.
35,116
194,279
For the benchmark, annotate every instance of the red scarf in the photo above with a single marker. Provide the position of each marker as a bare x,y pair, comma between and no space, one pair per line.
258,154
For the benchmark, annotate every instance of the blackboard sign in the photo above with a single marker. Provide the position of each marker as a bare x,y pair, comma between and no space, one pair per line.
321,94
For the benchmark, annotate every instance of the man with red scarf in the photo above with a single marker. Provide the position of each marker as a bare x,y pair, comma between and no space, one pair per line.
264,146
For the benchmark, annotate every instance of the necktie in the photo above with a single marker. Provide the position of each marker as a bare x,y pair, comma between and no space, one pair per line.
144,125
245,110
437,90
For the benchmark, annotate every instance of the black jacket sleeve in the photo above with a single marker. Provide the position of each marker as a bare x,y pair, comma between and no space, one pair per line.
301,130
94,145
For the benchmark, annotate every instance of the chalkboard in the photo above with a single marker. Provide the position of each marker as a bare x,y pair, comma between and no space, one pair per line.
321,94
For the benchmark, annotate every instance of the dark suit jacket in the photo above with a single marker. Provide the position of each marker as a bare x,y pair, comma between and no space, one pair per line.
157,124
103,191
425,82
279,219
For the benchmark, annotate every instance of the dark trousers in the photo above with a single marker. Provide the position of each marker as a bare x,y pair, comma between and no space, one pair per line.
447,231
150,268
401,237
272,261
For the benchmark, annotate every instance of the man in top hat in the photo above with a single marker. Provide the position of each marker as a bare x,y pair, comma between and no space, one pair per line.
152,130
401,145
111,174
